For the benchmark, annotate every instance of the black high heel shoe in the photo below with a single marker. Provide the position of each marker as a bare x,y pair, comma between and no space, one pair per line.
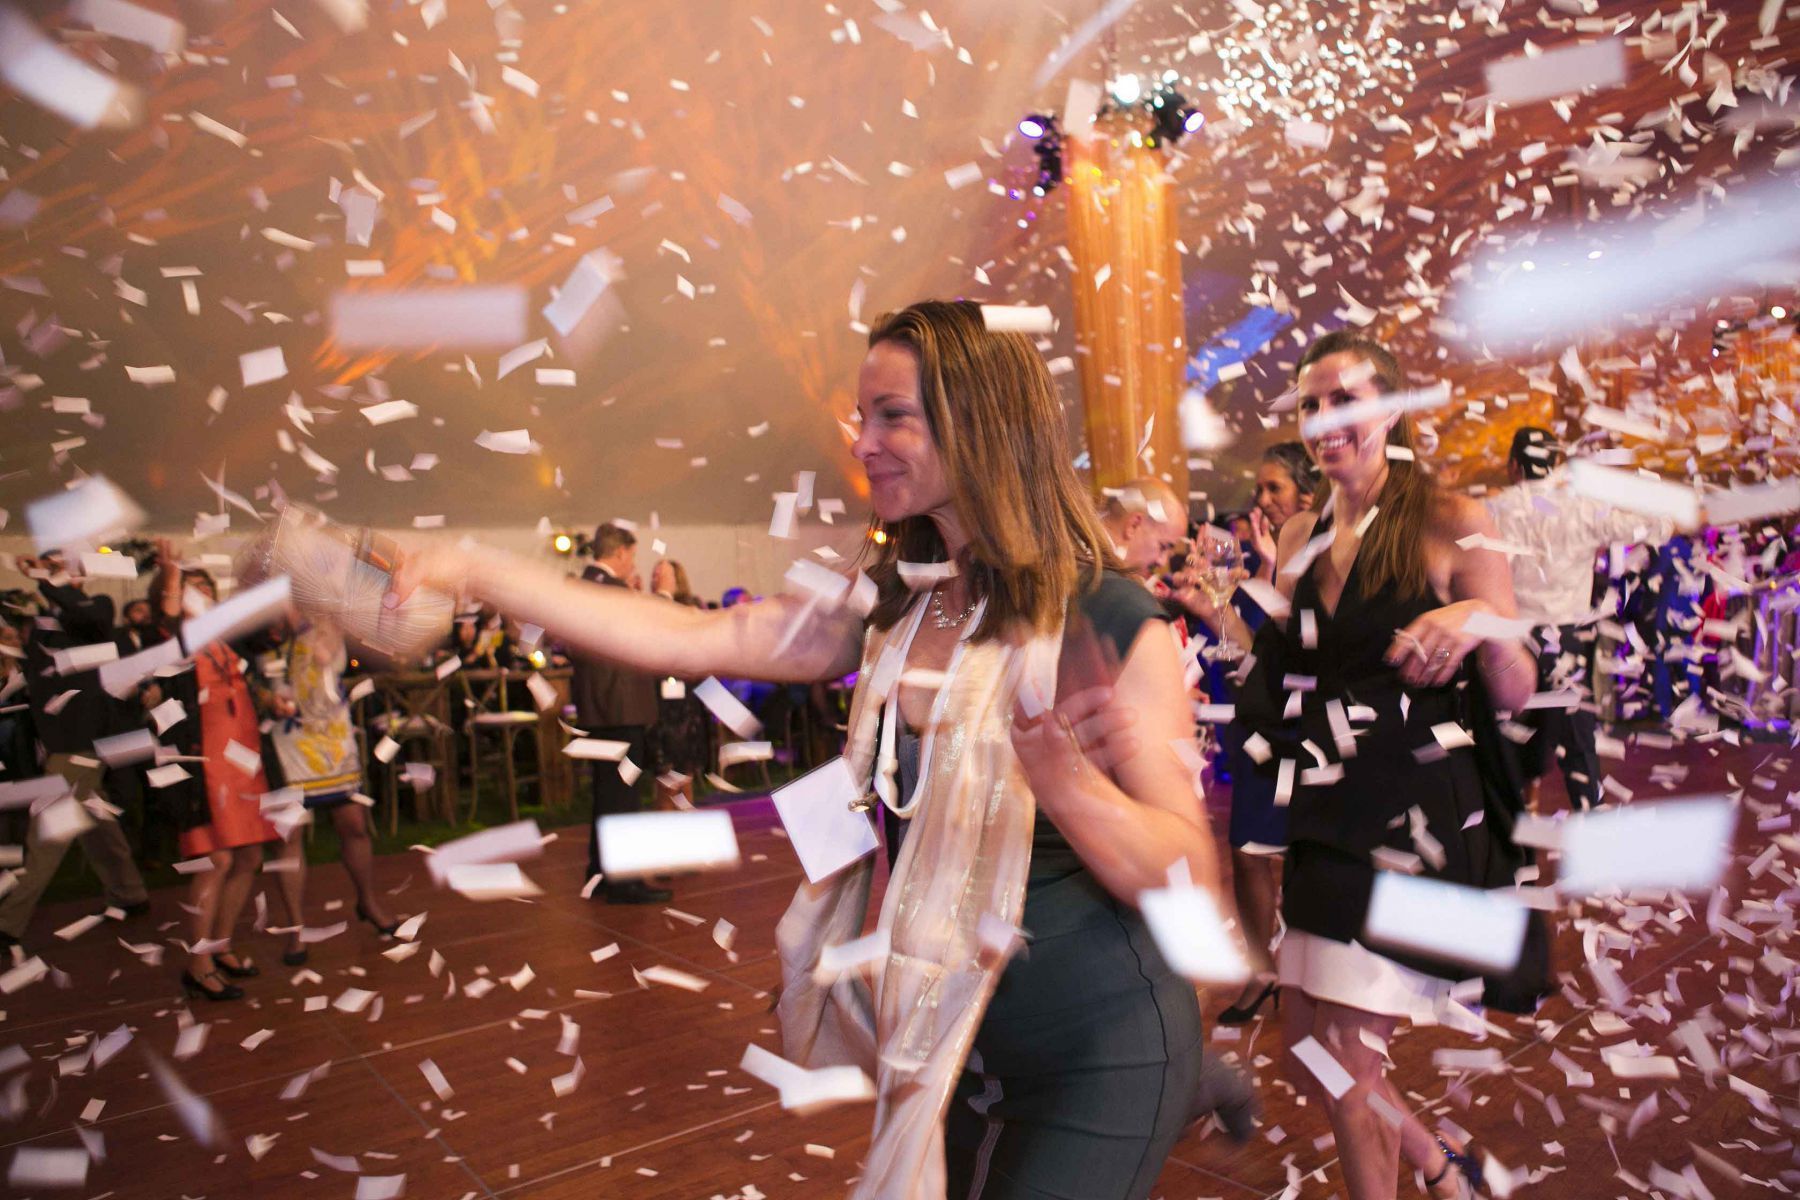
1243,1014
384,930
198,990
241,970
1464,1162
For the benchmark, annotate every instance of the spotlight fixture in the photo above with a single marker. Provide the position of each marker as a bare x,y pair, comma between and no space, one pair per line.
1046,139
1139,110
1778,312
563,543
1126,90
1172,117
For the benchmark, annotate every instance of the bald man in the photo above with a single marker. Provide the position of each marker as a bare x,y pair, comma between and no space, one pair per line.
1146,520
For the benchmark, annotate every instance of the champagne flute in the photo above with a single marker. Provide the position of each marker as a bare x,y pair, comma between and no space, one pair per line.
1217,558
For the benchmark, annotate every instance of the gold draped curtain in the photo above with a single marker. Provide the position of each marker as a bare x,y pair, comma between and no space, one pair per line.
1128,311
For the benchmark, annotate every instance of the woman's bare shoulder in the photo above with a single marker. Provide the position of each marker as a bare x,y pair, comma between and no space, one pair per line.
1454,516
1296,531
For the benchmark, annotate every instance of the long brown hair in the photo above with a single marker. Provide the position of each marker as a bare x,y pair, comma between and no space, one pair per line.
1392,554
684,592
993,416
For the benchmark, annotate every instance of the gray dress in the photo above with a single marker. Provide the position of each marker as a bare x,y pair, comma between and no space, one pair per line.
1086,1065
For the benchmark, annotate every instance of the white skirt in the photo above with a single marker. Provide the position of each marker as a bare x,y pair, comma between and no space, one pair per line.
1353,975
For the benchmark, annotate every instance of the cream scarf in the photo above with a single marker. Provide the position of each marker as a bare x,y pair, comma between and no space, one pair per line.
967,850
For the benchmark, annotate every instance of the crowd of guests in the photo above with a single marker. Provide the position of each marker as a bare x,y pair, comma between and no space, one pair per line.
1365,609
269,715
218,759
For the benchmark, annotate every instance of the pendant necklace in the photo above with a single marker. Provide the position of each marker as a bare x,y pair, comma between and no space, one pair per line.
941,619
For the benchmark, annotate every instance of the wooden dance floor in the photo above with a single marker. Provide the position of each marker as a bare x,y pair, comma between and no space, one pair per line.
661,1110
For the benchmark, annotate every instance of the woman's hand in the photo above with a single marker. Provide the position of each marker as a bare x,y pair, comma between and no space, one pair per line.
1428,651
1262,540
442,564
1191,596
1085,732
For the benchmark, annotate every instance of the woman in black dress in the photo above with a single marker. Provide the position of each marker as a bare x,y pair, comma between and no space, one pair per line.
1069,1071
1378,648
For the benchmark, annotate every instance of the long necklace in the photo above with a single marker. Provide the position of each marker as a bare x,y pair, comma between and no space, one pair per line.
943,620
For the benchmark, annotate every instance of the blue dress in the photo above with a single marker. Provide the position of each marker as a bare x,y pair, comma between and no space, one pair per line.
1258,824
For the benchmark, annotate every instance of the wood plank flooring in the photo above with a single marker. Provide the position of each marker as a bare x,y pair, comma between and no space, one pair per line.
662,1111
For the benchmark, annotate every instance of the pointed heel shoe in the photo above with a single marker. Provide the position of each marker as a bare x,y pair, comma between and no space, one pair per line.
1243,1014
384,930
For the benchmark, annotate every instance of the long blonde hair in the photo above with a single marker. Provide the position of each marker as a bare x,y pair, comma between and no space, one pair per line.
1392,554
994,418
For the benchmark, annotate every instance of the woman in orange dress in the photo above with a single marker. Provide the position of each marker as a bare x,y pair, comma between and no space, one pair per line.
233,837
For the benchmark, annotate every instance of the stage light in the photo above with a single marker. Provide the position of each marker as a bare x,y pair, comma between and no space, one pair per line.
1192,122
878,536
563,543
1777,312
1035,126
1126,89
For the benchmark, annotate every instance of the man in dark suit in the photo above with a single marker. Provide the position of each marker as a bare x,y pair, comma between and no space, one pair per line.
70,710
616,704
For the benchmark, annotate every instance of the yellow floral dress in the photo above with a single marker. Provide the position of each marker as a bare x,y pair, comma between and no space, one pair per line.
317,745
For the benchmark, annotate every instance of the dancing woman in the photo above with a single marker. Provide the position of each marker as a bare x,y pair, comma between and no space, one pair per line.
315,744
1069,1071
1382,600
226,824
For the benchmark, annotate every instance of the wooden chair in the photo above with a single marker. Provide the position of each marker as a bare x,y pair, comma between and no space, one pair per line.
491,721
415,716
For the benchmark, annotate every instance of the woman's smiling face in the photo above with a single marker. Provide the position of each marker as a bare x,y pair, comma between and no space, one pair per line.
1333,382
894,443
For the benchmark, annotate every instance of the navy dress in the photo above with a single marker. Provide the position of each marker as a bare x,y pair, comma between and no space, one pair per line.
1257,822
1087,1061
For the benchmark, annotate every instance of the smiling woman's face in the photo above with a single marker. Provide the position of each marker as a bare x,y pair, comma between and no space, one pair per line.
894,443
1276,495
1332,382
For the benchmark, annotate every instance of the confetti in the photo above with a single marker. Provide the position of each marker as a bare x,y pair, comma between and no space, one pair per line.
471,318
815,810
633,845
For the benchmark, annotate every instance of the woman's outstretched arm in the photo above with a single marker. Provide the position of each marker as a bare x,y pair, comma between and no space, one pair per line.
751,641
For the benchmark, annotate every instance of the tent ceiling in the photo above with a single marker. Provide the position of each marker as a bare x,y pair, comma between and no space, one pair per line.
774,171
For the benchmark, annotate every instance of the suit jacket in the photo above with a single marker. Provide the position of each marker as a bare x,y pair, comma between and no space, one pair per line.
75,619
607,693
